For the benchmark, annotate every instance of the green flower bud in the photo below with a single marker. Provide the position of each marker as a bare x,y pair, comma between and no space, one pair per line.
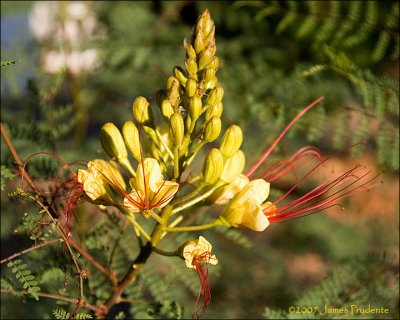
212,83
231,141
171,83
214,111
195,107
132,139
141,111
191,67
173,90
166,108
191,87
209,74
161,95
204,20
212,129
180,74
233,166
213,166
214,63
199,43
215,95
190,52
112,142
206,57
176,128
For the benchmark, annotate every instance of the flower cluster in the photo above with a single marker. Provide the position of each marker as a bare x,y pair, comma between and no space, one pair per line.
163,141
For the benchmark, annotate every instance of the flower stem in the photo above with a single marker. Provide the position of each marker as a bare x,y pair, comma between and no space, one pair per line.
195,151
138,227
215,223
164,144
176,162
189,195
196,200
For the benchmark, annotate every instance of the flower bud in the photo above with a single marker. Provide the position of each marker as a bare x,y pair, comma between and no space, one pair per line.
213,166
231,141
191,67
195,107
166,108
161,95
112,142
190,52
204,23
141,111
176,128
206,57
209,74
215,95
173,90
214,111
212,129
214,63
191,87
132,139
199,43
171,82
233,166
180,74
211,84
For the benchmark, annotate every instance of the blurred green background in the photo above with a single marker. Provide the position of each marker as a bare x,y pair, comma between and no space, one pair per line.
277,57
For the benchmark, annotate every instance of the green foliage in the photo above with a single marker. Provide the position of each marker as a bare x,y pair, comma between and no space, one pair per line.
359,282
275,61
5,173
236,236
7,63
162,291
62,314
343,25
120,316
25,276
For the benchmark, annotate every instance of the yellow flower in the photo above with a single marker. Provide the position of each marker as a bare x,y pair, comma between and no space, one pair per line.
196,251
245,208
149,189
97,179
225,193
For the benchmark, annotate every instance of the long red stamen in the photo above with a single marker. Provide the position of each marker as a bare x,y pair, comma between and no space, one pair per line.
322,197
202,273
279,138
286,166
74,194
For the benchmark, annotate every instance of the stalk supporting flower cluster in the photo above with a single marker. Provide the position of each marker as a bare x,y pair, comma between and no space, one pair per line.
163,141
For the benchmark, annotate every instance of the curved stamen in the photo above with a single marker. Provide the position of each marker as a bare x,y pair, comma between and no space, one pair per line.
280,136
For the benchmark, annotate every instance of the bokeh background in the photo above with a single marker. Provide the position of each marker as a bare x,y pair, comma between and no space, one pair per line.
80,64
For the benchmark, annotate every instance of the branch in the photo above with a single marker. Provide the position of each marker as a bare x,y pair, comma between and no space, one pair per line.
34,247
76,301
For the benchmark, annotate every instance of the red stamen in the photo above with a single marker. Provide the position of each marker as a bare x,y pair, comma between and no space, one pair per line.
286,166
74,194
279,138
321,197
202,273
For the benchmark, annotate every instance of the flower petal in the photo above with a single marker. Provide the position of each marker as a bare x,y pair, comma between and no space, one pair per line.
148,176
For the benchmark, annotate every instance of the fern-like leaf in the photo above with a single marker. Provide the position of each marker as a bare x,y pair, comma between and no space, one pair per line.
25,276
5,173
7,62
61,314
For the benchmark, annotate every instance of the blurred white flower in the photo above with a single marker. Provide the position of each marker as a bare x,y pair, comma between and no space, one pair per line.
64,29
